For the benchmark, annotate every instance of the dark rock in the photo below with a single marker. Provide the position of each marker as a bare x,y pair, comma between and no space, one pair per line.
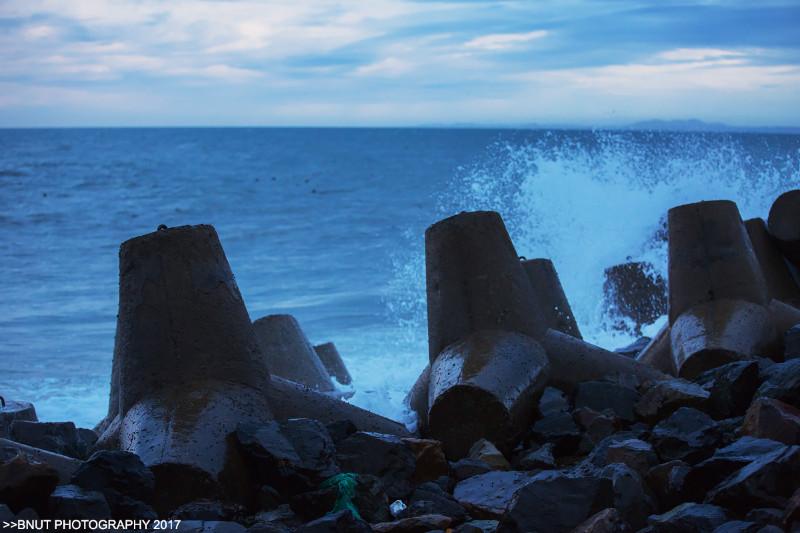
635,291
553,401
119,471
209,510
341,429
765,516
731,387
791,342
268,498
5,513
771,529
430,459
210,526
596,425
269,527
556,501
634,348
415,524
689,518
738,526
688,434
637,454
370,500
559,429
709,473
606,521
384,456
429,498
730,430
292,456
72,501
466,468
340,522
772,419
24,483
540,458
478,526
791,515
781,381
14,410
124,507
663,398
667,482
488,495
599,455
631,497
485,451
769,481
58,437
604,395
280,517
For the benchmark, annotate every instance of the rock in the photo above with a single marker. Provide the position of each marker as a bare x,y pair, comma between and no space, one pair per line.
781,381
210,526
124,507
731,387
791,515
667,481
636,454
559,429
488,495
64,466
556,501
769,481
430,459
58,437
282,516
604,395
772,419
553,401
209,510
26,484
596,426
416,524
340,522
688,435
369,498
765,516
292,456
791,342
485,451
599,454
13,410
341,429
634,348
384,456
72,501
635,291
631,497
467,468
478,526
709,473
731,430
540,458
663,398
119,471
689,518
5,513
267,498
429,498
738,526
606,521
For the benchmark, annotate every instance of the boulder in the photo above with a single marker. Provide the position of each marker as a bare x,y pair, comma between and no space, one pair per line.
781,381
606,395
688,435
606,521
430,459
485,386
663,398
549,295
556,501
118,471
211,526
73,502
485,451
58,437
384,456
540,458
488,495
478,526
636,292
209,510
791,515
596,426
772,419
667,482
11,410
738,526
689,518
415,524
64,466
467,468
369,498
24,483
765,516
634,453
340,522
791,343
731,387
430,498
631,497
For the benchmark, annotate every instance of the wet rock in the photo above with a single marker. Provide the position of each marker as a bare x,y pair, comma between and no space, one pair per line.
416,524
292,456
599,455
430,459
634,348
631,497
26,484
124,507
765,516
596,426
731,387
559,429
635,291
689,517
488,495
478,526
429,498
636,454
211,526
209,510
606,521
72,501
280,517
340,522
539,459
556,501
341,429
267,498
467,468
667,482
370,500
769,481
58,437
738,526
14,410
663,398
791,343
791,515
485,451
730,429
688,434
384,456
605,396
781,381
122,472
772,419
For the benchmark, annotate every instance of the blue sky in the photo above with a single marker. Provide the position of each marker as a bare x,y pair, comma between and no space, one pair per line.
387,62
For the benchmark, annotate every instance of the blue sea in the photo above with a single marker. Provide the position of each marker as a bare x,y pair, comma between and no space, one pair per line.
328,225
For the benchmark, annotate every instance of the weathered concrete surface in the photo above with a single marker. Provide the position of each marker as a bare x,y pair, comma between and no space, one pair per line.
486,386
13,410
64,466
550,298
658,352
784,224
780,283
417,398
333,362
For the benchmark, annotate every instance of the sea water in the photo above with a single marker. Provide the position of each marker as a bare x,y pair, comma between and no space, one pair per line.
328,225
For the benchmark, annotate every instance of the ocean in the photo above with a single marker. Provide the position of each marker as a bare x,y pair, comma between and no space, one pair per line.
328,225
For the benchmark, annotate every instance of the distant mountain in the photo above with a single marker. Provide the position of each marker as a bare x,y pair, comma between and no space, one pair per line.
699,125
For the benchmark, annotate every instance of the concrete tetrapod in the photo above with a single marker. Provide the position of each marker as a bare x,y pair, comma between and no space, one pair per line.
780,283
289,354
189,366
485,386
417,398
550,298
475,281
573,361
784,224
715,333
333,362
658,352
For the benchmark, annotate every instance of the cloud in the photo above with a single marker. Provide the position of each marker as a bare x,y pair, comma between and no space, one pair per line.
698,54
504,41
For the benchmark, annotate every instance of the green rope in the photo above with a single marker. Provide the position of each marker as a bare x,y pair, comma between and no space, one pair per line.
345,485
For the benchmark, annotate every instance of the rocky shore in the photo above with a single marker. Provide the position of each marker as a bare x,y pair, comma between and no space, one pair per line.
230,425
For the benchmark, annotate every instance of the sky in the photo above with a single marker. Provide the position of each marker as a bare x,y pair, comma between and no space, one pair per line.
397,63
